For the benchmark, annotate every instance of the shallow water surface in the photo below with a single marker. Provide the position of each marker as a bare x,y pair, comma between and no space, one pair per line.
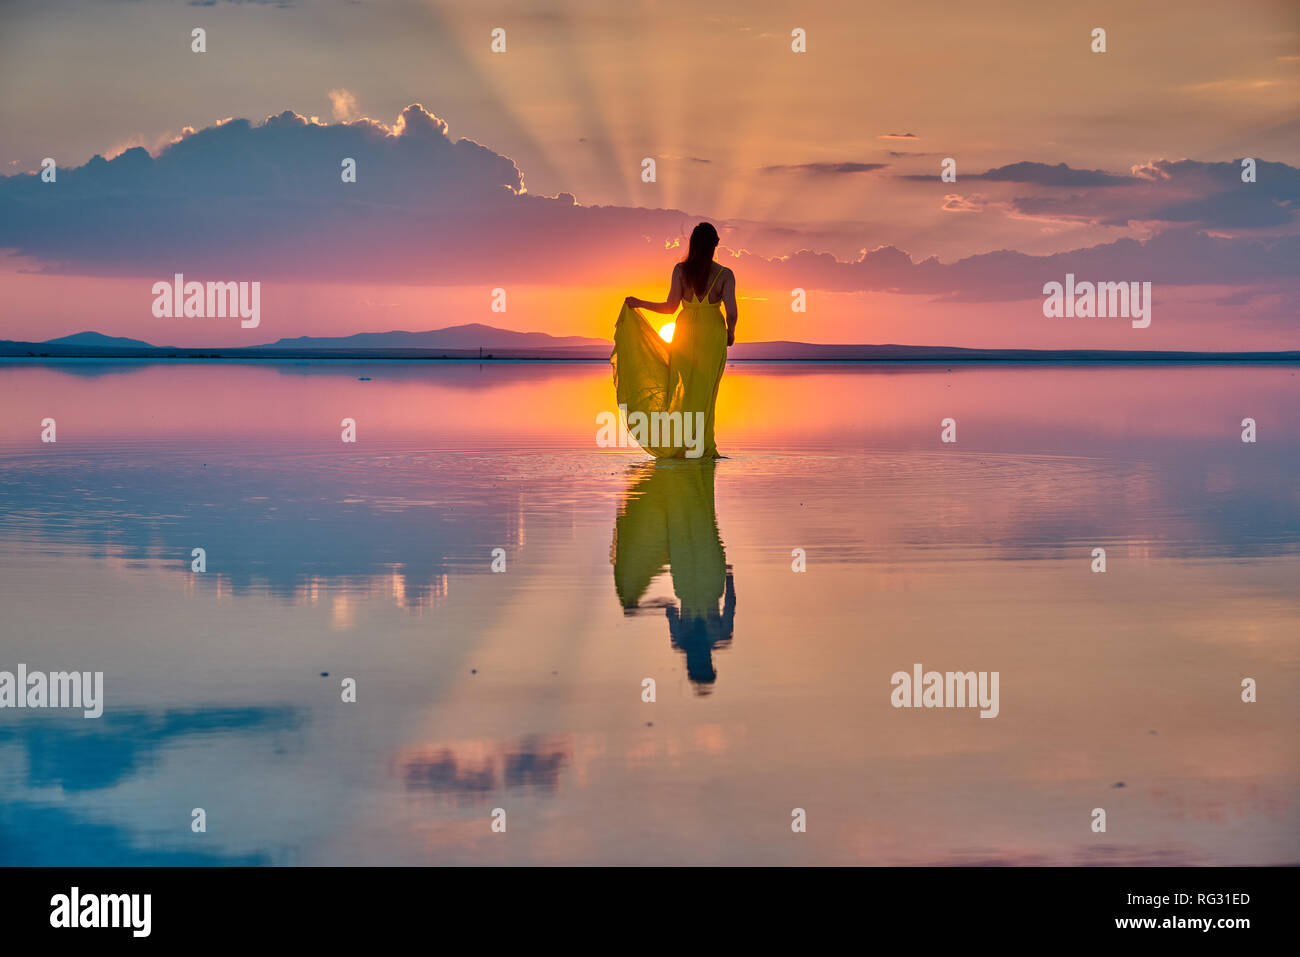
522,688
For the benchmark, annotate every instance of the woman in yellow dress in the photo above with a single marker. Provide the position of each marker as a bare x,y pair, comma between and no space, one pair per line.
655,377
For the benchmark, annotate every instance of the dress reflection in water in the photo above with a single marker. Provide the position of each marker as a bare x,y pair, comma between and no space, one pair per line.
668,520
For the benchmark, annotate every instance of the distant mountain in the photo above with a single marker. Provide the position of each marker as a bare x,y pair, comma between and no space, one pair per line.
100,341
475,335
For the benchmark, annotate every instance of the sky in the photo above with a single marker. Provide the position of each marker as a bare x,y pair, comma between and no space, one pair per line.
523,169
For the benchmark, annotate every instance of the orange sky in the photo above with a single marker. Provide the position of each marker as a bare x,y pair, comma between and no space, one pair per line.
835,150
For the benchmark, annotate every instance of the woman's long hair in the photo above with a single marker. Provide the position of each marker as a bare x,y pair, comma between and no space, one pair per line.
699,258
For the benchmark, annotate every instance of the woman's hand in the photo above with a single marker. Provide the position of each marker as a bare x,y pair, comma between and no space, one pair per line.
731,337
633,301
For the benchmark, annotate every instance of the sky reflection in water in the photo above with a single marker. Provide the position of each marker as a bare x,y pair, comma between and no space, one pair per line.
522,690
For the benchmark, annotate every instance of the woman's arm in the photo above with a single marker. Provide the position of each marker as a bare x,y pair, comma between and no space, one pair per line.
674,296
729,300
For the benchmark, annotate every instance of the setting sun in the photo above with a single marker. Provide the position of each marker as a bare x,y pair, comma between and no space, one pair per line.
666,333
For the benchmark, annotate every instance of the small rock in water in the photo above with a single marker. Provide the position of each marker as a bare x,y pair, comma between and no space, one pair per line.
1118,784
324,674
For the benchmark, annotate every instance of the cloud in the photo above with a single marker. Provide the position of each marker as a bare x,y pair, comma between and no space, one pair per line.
1171,192
1039,174
824,169
956,203
245,201
255,3
267,201
343,105
1213,195
898,136
672,157
1175,257
1042,174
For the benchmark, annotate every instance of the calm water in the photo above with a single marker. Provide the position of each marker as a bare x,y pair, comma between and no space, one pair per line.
522,690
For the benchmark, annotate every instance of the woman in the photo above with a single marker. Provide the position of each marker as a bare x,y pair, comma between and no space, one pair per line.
659,379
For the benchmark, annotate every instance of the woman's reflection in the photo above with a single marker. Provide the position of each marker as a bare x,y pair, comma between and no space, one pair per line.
667,518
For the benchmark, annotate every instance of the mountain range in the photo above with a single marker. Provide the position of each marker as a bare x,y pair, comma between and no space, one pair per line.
478,341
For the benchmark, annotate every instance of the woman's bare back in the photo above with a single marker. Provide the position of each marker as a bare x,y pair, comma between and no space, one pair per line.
719,279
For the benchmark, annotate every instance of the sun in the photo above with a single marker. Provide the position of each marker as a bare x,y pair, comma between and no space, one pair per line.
666,333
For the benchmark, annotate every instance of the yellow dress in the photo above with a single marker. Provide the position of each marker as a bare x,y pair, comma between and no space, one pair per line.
652,376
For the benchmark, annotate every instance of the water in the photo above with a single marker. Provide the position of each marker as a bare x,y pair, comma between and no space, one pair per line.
522,690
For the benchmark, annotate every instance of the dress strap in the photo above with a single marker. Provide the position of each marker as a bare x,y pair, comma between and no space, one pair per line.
705,297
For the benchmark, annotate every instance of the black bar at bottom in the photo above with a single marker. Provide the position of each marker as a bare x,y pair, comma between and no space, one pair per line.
336,905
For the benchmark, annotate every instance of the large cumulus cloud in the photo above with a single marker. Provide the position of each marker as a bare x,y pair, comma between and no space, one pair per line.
267,201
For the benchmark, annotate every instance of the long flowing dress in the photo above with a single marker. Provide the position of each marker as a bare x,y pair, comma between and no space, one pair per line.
654,377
